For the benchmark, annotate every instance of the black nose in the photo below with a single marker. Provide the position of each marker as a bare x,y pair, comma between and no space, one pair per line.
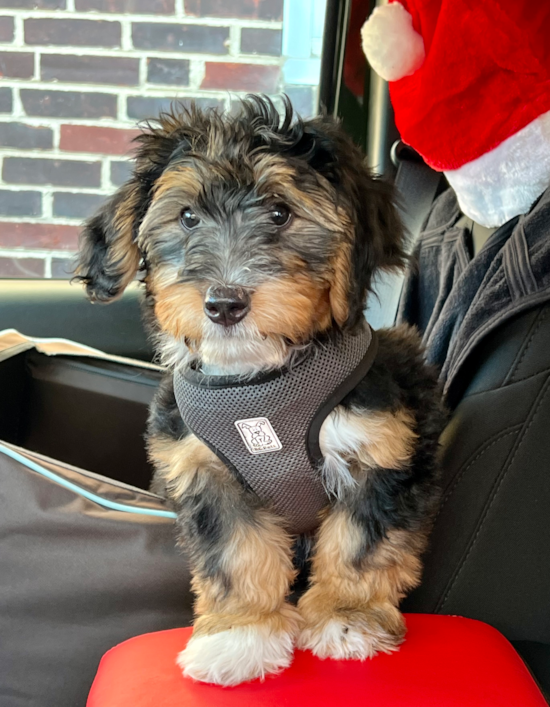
226,305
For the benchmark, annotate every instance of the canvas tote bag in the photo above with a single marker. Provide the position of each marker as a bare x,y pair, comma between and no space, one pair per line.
86,561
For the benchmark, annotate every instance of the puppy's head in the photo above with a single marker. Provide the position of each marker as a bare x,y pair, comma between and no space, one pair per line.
256,232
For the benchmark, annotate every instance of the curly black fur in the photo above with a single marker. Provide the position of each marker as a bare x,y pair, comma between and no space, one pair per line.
403,498
352,213
316,149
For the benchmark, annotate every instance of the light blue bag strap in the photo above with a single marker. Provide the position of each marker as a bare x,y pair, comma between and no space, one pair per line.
56,478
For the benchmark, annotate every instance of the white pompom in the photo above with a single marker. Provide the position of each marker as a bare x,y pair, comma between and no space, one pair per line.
392,46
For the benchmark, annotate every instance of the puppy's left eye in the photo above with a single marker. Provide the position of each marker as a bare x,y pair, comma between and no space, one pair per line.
189,218
280,215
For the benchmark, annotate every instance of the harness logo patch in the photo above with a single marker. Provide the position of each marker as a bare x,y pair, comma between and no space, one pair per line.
258,435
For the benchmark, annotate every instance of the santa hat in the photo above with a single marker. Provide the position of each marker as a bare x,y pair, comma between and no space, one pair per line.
470,86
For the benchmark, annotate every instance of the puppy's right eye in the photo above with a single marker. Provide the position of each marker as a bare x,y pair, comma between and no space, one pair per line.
280,215
189,218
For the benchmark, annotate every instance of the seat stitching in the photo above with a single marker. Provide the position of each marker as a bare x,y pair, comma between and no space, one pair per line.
491,324
487,444
542,316
494,494
532,375
472,396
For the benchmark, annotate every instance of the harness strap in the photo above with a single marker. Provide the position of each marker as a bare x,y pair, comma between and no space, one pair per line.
266,429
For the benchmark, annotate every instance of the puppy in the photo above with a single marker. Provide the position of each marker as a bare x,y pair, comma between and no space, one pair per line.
259,237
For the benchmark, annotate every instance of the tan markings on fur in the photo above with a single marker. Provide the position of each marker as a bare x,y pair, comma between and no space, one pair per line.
174,190
386,573
277,621
370,592
274,177
258,565
292,262
179,461
269,172
182,180
162,277
295,307
216,141
123,253
179,309
339,287
354,442
257,561
389,438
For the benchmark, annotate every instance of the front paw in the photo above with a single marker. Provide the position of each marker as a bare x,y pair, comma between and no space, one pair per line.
352,634
242,652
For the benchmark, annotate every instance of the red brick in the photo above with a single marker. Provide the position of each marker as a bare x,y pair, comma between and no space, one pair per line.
251,9
16,65
117,71
21,267
38,235
142,7
85,138
77,33
6,29
241,77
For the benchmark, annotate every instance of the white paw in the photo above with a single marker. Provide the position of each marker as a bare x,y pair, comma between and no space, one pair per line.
344,640
238,655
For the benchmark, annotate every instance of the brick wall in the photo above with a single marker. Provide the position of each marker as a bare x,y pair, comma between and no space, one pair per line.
77,75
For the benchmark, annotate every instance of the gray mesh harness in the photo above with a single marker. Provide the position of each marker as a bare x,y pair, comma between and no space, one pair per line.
266,428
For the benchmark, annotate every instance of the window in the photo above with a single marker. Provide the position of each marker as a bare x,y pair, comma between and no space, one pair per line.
78,75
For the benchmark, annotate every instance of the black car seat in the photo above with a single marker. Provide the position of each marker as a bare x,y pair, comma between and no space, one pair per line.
489,556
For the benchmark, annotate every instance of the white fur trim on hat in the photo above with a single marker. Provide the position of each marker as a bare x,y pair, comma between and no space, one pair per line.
507,180
392,46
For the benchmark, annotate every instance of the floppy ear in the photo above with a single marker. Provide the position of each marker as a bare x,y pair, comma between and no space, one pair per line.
379,238
378,235
109,257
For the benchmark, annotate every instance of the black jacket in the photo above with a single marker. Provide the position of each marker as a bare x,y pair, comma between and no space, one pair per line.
486,323
456,299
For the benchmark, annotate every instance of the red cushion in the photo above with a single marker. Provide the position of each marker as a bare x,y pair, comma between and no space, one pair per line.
446,661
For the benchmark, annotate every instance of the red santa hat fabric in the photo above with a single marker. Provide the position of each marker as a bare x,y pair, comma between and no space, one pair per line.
464,75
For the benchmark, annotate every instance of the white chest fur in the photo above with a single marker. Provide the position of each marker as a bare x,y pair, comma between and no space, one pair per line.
355,441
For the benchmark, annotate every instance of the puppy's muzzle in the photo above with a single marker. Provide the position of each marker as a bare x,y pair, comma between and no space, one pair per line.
226,305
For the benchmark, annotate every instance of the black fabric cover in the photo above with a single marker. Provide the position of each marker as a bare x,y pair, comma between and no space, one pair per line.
84,411
77,577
